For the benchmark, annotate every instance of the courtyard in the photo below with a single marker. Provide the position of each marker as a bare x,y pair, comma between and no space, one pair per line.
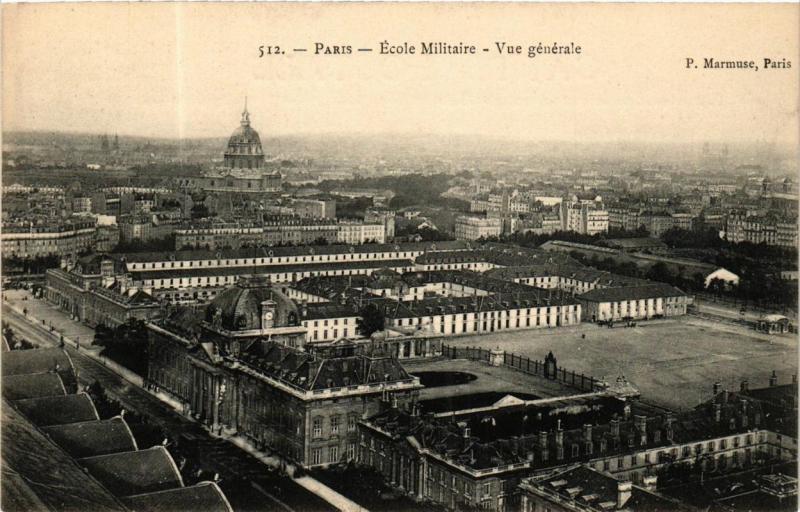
672,362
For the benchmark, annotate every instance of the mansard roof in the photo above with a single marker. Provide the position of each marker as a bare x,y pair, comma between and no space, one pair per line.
590,489
514,435
309,372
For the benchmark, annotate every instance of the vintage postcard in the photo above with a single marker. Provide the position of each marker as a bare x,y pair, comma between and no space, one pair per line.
399,257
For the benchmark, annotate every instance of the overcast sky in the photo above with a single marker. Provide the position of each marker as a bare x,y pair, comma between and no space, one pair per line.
183,70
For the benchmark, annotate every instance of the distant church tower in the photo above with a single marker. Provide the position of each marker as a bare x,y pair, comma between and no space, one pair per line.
244,146
104,142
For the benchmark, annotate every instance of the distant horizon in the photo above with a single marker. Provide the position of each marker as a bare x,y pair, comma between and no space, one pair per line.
411,135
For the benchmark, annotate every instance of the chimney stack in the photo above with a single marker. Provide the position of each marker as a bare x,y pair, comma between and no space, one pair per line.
649,482
717,386
743,404
543,445
773,379
615,428
624,490
641,426
559,443
670,419
745,386
724,397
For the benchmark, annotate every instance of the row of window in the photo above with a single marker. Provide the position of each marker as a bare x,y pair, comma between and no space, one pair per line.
332,455
278,278
278,260
315,334
334,425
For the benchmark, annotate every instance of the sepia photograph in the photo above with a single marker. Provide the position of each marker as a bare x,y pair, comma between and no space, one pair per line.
399,257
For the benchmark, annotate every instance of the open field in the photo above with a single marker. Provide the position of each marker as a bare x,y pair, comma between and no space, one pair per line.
672,362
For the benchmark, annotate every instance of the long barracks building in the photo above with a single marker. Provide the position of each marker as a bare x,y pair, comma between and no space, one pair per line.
192,275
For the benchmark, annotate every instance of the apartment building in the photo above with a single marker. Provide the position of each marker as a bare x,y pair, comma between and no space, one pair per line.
474,228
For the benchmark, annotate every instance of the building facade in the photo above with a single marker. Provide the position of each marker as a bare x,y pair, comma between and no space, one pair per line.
473,228
234,371
57,238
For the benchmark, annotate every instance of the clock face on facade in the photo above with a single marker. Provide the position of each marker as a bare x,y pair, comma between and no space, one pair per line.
269,315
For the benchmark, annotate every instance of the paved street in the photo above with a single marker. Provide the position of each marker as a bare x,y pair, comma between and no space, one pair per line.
733,312
237,469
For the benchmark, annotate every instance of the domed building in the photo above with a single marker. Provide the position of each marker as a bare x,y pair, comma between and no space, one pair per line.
239,367
244,168
253,308
244,146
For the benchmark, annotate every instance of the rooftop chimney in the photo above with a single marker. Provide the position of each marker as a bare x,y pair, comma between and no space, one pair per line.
773,380
743,404
717,386
543,445
649,482
624,490
745,386
670,419
615,428
559,443
641,426
724,397
587,432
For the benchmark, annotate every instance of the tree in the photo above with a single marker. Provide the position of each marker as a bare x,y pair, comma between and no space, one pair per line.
199,211
371,321
660,272
716,286
125,344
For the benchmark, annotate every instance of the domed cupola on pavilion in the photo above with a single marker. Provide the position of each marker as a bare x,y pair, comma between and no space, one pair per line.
244,146
254,309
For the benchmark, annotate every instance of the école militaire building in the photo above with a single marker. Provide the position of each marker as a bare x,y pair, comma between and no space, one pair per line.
237,368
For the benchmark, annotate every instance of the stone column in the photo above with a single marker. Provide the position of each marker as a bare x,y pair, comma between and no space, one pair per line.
423,470
401,481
